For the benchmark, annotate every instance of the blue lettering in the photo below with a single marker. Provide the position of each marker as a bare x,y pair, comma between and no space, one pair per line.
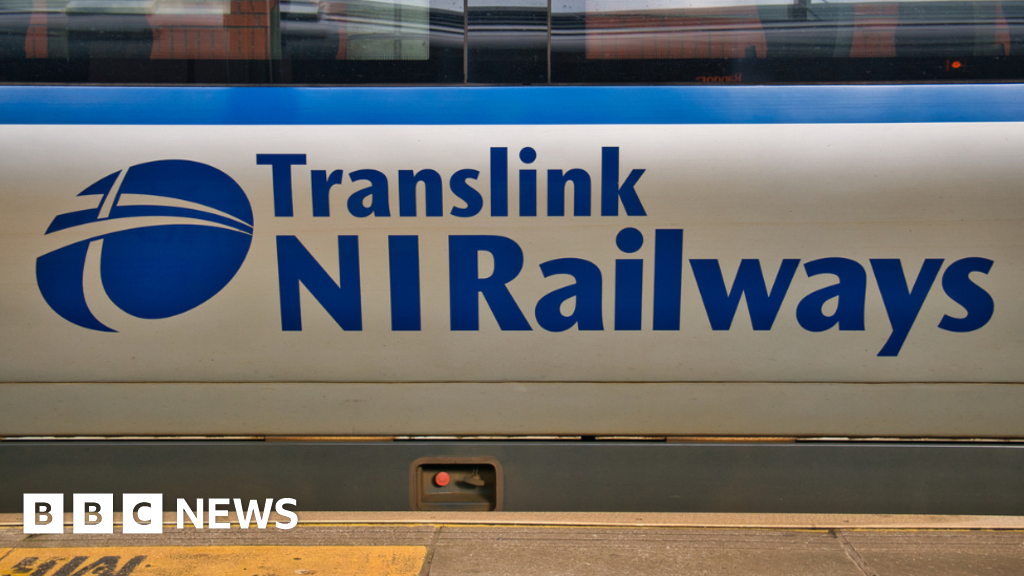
466,285
377,192
295,265
668,278
404,269
281,172
850,292
902,305
461,188
499,181
580,192
956,282
322,184
407,183
721,304
629,281
586,290
527,184
611,192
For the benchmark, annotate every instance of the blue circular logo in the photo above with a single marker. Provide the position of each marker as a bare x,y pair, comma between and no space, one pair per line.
171,234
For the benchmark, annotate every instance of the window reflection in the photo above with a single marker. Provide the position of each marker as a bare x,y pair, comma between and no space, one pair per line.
126,40
509,41
674,29
774,40
357,30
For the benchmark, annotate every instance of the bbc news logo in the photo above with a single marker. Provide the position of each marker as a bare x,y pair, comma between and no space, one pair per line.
143,513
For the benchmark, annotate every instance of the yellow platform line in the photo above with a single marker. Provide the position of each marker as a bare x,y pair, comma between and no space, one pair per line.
215,561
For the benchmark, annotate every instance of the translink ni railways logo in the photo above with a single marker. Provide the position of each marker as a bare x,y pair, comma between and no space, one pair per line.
170,235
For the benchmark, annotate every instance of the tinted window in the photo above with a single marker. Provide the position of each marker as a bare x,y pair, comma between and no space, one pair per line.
344,42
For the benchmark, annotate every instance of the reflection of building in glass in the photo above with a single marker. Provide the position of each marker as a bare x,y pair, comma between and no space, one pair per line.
703,29
215,29
375,30
508,41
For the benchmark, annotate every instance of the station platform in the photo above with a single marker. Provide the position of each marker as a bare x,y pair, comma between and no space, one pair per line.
535,544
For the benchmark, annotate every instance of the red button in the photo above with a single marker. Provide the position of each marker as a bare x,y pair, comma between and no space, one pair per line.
442,479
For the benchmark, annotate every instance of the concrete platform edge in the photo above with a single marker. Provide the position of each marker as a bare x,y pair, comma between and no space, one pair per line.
660,520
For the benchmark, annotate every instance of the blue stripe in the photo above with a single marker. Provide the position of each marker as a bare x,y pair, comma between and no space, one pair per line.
511,105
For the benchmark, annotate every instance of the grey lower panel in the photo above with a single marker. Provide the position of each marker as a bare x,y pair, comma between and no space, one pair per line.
855,478
515,408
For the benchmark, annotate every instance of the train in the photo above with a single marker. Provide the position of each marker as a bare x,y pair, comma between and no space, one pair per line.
732,248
